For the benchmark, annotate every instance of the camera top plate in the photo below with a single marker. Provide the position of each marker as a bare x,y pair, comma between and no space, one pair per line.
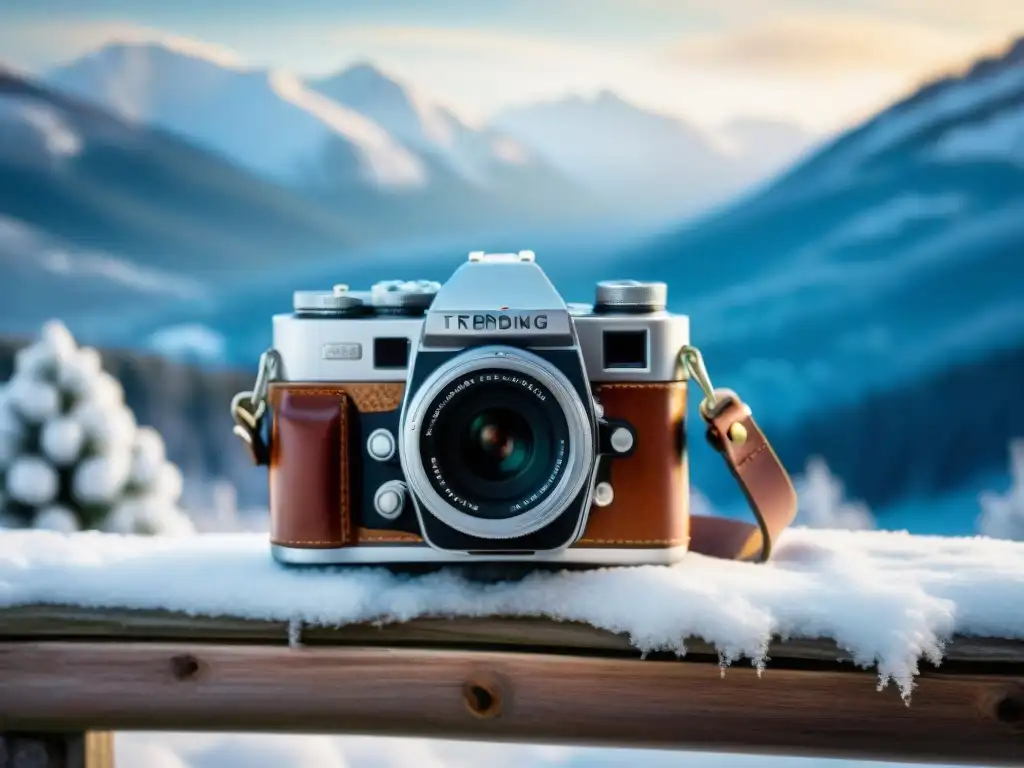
501,299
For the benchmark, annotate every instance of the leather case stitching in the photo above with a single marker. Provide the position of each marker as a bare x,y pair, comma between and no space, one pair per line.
671,542
658,385
361,396
330,543
392,538
752,456
346,506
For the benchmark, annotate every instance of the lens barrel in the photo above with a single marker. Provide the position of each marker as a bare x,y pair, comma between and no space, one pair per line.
497,444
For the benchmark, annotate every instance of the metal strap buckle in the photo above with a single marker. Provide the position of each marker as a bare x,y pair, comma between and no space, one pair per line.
693,362
714,399
249,408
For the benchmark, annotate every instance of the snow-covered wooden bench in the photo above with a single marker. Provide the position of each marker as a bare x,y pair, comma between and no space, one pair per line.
107,633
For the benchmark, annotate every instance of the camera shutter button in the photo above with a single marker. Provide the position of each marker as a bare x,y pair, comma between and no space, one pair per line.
389,499
381,444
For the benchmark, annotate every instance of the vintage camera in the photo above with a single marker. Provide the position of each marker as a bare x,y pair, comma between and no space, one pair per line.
480,420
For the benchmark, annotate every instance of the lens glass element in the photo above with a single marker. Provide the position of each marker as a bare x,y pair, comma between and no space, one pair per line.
498,445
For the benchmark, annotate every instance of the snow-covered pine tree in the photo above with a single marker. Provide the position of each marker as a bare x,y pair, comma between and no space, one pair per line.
822,501
1002,514
71,454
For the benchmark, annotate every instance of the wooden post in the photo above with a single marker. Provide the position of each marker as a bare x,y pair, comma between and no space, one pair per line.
94,749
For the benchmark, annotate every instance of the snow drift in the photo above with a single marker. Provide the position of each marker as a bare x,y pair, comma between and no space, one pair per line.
889,599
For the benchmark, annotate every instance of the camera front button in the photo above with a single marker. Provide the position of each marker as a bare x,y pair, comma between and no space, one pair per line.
381,445
389,499
621,440
603,494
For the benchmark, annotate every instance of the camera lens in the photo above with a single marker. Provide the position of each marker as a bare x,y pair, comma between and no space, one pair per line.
498,445
495,443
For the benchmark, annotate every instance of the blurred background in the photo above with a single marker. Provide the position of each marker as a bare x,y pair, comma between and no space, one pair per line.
833,190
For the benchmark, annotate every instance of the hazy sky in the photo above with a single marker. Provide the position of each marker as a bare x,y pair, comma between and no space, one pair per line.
820,63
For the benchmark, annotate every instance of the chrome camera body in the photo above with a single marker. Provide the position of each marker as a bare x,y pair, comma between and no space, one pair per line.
426,422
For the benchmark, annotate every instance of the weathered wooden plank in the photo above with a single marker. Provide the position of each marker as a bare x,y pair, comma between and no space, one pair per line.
71,622
496,696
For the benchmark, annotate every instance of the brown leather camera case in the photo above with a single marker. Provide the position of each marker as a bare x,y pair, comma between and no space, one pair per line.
310,490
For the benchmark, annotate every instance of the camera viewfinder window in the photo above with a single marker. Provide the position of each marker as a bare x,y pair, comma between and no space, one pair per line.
391,352
625,349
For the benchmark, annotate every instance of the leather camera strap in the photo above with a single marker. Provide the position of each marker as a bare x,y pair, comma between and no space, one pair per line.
733,433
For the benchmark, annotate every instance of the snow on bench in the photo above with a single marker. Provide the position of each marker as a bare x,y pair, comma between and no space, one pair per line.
889,599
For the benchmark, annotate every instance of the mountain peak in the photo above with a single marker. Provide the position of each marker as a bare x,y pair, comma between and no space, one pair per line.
608,96
365,88
1016,50
361,81
170,47
1009,57
365,71
421,123
604,101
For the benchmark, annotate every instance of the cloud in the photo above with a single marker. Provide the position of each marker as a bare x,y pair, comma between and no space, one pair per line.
824,45
991,15
994,15
474,43
823,503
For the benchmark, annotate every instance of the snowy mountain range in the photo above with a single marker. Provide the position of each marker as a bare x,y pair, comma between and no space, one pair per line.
267,121
360,129
359,143
145,165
